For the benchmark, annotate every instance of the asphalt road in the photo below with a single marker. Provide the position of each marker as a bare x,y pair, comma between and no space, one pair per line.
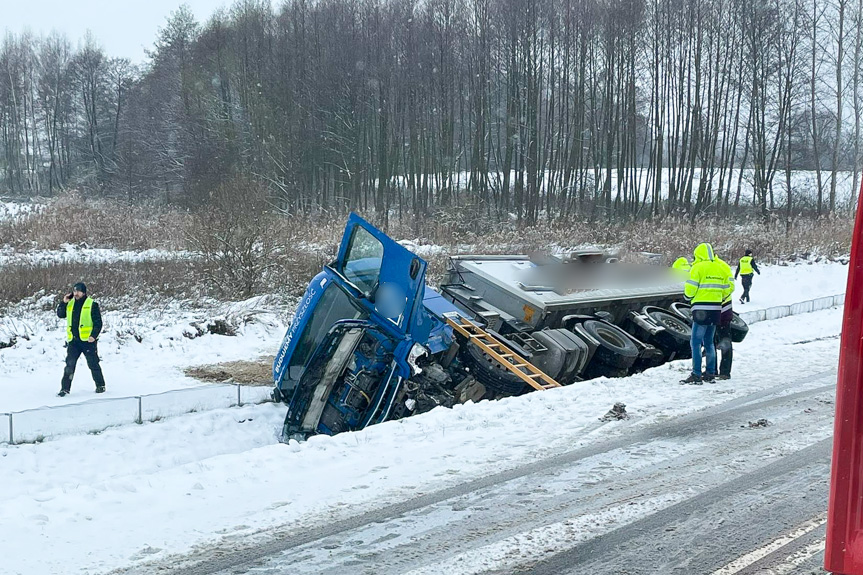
737,489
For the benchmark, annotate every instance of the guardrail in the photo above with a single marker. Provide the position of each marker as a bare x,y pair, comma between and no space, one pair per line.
96,415
798,308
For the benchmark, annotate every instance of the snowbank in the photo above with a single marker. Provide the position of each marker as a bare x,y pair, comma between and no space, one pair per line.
143,352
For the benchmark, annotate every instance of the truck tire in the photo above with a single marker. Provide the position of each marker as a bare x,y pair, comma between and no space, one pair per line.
677,332
739,328
616,349
490,373
683,311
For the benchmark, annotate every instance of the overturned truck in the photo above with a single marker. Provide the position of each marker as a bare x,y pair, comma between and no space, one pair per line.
371,342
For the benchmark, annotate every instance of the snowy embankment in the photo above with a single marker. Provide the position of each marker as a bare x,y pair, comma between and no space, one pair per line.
82,504
143,351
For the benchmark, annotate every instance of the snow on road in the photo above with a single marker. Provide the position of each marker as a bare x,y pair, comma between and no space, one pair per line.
92,503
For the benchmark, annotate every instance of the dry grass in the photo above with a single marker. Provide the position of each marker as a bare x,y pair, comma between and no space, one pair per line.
258,372
291,250
75,219
827,238
127,281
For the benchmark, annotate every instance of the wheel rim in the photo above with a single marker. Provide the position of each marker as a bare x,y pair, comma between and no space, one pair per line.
670,323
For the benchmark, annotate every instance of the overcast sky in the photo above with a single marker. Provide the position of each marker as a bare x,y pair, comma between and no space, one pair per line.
123,27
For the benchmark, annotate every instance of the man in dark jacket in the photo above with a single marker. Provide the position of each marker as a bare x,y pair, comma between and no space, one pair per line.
83,325
745,267
723,340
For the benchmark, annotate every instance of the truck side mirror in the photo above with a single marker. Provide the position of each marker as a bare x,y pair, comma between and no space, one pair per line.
415,268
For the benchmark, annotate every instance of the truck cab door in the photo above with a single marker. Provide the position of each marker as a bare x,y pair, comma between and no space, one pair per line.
388,279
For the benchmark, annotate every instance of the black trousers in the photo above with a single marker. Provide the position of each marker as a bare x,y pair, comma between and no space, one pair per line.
74,349
747,283
723,346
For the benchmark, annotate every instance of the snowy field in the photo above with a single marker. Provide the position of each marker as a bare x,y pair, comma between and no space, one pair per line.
30,371
139,493
76,254
803,182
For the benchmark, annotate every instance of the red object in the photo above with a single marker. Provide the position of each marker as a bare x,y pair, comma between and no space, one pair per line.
844,548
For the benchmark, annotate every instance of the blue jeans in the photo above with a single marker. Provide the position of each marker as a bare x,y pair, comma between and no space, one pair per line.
702,335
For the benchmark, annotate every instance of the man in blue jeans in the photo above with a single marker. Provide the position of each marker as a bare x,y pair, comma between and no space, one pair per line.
706,289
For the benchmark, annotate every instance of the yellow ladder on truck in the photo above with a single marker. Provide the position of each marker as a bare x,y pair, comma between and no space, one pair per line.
502,354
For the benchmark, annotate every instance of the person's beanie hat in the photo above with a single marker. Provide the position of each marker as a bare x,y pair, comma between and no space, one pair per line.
80,287
748,253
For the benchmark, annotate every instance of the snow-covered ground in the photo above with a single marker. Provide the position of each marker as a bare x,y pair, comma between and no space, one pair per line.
91,503
30,370
9,209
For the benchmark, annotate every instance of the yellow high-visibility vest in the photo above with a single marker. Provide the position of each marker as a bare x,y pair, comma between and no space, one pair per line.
746,265
707,285
85,324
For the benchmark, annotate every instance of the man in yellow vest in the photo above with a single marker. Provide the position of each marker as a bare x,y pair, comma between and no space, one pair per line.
745,267
706,289
83,325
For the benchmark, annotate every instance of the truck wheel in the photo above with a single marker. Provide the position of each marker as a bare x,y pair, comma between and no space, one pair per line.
677,332
616,349
683,311
739,328
490,373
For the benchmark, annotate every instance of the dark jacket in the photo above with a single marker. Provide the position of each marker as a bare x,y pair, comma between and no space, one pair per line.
76,317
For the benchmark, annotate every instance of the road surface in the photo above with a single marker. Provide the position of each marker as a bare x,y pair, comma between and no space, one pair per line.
740,488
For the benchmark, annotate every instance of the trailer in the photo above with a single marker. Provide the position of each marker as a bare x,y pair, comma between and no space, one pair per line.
371,342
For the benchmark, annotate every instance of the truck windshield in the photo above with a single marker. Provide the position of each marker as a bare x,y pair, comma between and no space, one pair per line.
363,260
334,305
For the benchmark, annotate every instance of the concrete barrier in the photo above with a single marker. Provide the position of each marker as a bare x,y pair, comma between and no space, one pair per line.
96,415
5,430
798,308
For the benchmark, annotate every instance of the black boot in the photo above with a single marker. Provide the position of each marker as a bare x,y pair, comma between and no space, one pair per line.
693,379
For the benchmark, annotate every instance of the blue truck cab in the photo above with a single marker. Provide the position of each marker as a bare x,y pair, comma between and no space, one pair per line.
359,334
